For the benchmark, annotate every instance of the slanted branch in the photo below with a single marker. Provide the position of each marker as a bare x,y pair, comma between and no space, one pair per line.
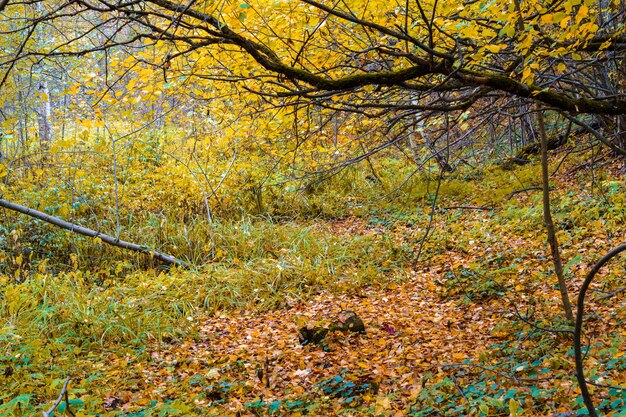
74,228
56,404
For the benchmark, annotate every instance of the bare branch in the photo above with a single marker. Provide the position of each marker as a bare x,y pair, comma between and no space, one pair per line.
74,228
56,404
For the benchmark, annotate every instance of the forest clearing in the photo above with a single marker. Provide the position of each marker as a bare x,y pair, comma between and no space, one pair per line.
291,208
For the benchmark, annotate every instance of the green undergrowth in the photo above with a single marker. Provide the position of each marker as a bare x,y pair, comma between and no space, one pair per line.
258,266
73,313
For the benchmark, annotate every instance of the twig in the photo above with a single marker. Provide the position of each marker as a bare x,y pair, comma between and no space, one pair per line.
487,369
485,208
458,386
67,404
430,221
611,294
615,387
595,133
589,164
548,221
523,190
56,404
535,326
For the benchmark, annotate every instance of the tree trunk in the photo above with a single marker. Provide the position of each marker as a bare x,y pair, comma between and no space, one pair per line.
611,77
549,223
44,114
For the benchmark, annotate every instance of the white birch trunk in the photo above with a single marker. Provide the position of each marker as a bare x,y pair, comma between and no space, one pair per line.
44,114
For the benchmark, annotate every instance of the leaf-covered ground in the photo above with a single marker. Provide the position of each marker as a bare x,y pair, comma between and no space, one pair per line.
463,332
245,361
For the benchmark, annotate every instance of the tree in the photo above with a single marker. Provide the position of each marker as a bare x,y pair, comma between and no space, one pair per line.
402,73
407,72
367,57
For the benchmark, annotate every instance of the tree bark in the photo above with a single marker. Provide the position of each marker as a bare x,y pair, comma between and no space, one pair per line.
578,328
44,114
74,228
549,223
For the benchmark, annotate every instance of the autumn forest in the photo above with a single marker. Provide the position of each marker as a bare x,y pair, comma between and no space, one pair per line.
313,208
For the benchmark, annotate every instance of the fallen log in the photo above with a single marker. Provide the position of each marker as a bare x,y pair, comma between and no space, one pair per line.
74,228
522,156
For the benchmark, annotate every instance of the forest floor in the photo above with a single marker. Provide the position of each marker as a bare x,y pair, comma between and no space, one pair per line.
253,363
243,360
428,349
461,332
